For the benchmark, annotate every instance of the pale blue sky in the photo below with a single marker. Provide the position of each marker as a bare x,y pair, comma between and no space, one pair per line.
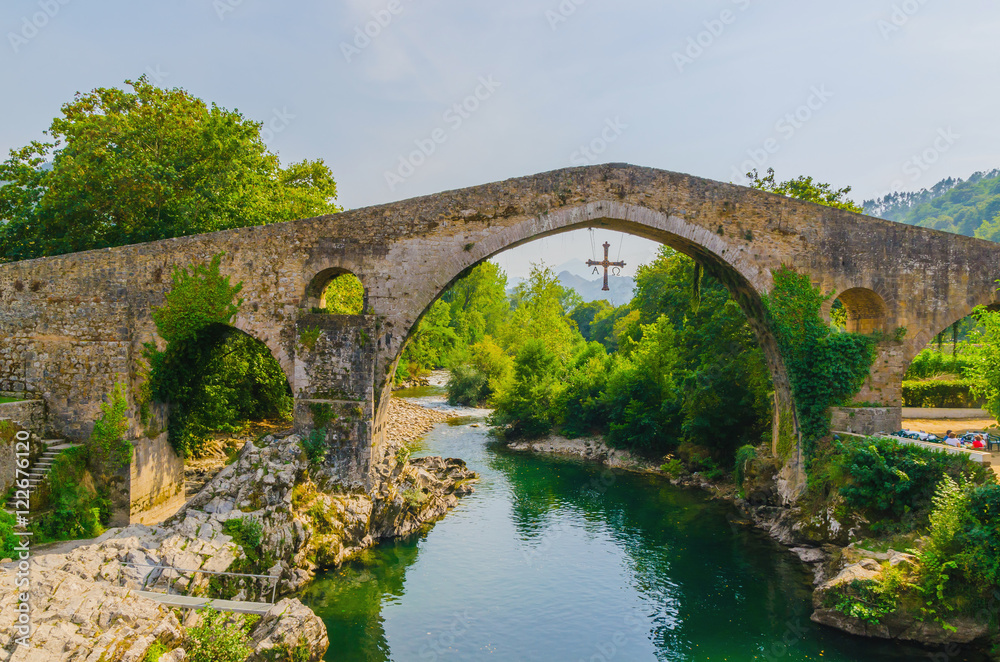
888,80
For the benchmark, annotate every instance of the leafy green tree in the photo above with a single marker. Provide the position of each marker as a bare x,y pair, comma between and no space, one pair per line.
982,366
582,408
805,188
213,376
474,307
432,342
585,313
110,450
540,312
640,394
478,303
724,381
528,407
345,295
128,166
602,329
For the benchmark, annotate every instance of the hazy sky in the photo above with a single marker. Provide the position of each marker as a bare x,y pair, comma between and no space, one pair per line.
876,94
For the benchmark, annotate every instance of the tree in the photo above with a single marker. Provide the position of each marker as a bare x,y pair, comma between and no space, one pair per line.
804,188
984,364
124,167
213,375
585,313
540,312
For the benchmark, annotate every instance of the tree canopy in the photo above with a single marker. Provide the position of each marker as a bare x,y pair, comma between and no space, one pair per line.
805,188
124,166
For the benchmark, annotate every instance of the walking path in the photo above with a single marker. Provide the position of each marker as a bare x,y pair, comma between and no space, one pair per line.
189,602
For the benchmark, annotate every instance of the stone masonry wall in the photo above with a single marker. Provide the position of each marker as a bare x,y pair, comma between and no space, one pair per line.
866,420
334,365
29,414
71,325
156,481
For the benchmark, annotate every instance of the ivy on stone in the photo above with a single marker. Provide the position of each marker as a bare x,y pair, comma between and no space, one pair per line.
825,368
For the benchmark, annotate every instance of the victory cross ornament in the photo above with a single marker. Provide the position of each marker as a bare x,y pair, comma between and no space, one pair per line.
606,263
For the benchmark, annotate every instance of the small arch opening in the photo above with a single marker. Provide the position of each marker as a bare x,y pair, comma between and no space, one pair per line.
858,310
336,292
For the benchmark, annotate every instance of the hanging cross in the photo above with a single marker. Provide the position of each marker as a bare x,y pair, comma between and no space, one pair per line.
605,263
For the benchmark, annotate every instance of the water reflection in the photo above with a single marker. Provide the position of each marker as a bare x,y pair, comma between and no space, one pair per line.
561,560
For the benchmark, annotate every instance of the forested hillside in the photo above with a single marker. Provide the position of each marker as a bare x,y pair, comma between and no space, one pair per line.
970,207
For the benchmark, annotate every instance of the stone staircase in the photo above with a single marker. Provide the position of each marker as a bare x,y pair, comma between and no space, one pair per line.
40,469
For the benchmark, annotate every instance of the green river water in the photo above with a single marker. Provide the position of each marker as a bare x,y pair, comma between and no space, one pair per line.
557,560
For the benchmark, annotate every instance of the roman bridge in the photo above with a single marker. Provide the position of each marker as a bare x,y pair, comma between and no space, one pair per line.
70,326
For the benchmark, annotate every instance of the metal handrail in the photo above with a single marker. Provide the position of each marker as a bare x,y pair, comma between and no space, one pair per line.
161,567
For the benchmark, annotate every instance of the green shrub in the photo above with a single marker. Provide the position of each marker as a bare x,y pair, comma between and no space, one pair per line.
673,467
929,363
315,446
75,507
246,532
744,456
220,637
110,451
940,393
155,652
8,541
979,539
468,386
894,484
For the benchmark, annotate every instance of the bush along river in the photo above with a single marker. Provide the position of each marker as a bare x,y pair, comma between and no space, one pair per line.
558,559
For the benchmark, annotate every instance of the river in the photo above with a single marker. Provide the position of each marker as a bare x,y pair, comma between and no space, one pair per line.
554,559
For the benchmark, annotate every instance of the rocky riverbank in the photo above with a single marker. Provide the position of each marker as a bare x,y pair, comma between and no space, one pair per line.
408,422
594,449
271,512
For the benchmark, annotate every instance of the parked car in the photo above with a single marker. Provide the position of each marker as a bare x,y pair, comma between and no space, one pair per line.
969,437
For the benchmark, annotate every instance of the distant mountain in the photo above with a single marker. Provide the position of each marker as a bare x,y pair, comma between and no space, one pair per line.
970,207
590,290
576,267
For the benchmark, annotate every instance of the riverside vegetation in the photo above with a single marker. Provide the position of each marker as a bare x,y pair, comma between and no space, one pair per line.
676,376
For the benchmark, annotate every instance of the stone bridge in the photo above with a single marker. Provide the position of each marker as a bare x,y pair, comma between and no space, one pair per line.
70,326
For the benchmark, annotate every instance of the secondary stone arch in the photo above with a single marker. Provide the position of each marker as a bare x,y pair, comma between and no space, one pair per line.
271,339
867,311
317,285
